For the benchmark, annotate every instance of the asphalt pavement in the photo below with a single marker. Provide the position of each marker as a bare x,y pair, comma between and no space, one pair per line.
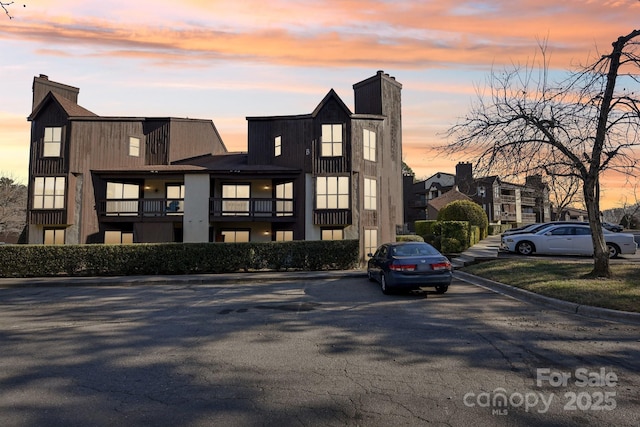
487,249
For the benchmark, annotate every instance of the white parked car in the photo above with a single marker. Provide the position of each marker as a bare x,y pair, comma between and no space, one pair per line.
567,239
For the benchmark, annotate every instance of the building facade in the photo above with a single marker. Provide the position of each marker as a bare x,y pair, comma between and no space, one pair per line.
503,202
329,174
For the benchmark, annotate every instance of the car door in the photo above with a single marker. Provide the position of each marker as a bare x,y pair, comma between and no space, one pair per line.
582,241
559,240
378,260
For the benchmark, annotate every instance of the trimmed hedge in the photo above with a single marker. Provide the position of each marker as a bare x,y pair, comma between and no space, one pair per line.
175,258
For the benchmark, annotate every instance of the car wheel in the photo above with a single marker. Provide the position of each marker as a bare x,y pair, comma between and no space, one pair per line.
614,251
442,289
383,285
525,248
370,276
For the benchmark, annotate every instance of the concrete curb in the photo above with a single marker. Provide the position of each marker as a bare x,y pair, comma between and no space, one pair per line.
533,298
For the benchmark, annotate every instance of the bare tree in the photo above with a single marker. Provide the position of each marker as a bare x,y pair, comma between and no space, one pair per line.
630,209
582,125
5,7
13,208
565,190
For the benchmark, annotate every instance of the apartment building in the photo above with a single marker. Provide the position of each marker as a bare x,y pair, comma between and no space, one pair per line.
504,202
328,174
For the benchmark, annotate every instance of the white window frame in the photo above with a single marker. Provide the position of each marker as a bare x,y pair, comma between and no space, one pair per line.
277,146
369,144
122,198
332,192
233,207
49,192
331,140
370,240
370,194
52,140
175,199
134,146
284,199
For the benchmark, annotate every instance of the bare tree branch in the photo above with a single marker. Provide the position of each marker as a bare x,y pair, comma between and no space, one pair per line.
522,123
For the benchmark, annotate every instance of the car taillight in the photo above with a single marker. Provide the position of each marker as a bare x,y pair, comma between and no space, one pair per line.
441,266
402,267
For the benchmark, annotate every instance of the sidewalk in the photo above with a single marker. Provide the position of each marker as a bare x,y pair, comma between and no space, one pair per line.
486,249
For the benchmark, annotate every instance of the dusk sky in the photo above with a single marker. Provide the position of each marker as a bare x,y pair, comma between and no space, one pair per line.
226,60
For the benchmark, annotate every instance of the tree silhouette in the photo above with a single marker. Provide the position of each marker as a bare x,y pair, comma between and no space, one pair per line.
581,126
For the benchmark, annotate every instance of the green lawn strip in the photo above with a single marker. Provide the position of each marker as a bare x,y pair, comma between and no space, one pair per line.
566,281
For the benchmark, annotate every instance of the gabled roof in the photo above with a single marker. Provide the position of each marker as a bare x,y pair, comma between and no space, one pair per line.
70,108
331,95
448,197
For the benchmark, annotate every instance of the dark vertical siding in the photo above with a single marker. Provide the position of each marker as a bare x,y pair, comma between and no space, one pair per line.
297,142
192,138
42,86
156,141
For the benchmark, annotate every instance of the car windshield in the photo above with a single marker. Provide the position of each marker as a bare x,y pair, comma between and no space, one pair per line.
414,250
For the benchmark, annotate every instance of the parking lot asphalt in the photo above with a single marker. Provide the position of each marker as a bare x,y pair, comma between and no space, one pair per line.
485,250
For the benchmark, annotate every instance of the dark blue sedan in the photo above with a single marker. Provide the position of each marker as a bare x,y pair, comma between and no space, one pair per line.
409,266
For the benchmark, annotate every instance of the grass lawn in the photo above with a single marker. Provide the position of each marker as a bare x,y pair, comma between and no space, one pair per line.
566,280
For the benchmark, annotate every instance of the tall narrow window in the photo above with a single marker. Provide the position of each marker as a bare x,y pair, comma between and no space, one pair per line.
134,146
370,194
236,199
52,142
332,192
122,199
331,145
369,145
277,146
332,234
48,192
54,236
175,199
284,199
370,241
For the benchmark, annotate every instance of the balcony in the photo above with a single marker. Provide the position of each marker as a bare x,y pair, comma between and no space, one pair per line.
252,209
220,209
119,209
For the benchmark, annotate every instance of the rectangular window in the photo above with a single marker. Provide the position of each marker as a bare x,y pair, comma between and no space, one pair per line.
370,192
235,236
48,192
52,142
284,235
331,145
332,192
277,148
122,199
118,237
175,199
370,241
134,146
284,199
332,234
236,198
369,142
54,236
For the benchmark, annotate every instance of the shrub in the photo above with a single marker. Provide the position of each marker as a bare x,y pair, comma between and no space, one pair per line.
466,210
409,238
175,258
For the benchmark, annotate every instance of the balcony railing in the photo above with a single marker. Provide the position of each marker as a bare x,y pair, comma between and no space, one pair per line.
140,207
218,207
251,208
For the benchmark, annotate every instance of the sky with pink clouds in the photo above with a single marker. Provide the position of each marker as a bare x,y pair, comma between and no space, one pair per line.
227,60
